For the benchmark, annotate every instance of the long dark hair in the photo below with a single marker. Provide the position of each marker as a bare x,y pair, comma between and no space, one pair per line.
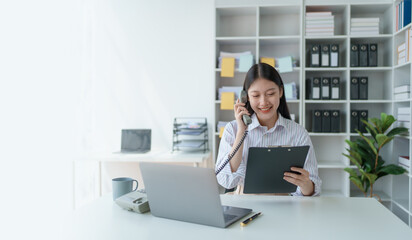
265,71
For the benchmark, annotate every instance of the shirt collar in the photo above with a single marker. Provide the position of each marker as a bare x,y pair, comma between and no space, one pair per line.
255,122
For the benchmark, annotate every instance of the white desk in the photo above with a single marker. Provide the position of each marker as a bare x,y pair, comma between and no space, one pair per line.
283,218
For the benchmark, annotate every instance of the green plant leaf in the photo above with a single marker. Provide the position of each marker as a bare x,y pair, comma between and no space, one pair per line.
357,182
370,143
397,131
387,121
353,160
352,172
378,124
392,169
382,139
370,176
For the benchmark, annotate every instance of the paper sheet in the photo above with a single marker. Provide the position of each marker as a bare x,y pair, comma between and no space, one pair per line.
285,64
245,62
228,100
228,67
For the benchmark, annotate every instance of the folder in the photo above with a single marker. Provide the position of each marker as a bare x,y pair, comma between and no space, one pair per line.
363,55
373,55
326,124
354,121
316,88
315,56
335,121
228,67
308,88
363,114
227,101
354,55
363,88
335,86
325,88
334,55
245,62
221,130
317,121
325,53
270,61
354,88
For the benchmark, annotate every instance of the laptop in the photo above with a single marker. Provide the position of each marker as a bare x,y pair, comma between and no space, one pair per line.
266,167
187,194
136,140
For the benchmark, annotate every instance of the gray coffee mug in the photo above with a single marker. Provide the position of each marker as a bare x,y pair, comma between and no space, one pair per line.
121,186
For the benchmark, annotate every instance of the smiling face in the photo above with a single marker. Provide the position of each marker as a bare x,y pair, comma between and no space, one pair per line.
264,97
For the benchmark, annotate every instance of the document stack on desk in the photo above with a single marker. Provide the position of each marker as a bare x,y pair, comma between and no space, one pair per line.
320,23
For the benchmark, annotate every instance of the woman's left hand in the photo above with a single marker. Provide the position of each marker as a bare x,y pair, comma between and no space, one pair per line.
302,180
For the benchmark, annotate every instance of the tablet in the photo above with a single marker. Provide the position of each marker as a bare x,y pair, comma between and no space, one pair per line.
266,167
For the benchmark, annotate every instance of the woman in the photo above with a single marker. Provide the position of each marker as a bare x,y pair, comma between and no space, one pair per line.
271,126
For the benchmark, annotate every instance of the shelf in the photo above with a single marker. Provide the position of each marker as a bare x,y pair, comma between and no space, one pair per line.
321,69
382,195
280,37
325,101
402,100
293,101
380,36
380,69
357,135
402,65
403,204
329,164
327,134
236,40
370,101
327,37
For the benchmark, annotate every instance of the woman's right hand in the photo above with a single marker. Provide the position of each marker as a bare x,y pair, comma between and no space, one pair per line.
240,110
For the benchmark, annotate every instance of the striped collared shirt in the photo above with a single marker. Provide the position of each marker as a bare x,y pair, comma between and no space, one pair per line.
284,133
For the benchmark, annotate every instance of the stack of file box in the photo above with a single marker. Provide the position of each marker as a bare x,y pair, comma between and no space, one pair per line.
326,121
401,92
319,23
323,88
364,26
404,117
356,117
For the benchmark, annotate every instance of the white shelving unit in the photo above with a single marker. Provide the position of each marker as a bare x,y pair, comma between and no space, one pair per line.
275,28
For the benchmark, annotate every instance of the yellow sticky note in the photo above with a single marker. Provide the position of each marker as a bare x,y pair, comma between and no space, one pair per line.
228,67
270,61
221,131
228,101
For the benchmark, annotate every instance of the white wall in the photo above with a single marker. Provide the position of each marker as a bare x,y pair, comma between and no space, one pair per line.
150,61
73,73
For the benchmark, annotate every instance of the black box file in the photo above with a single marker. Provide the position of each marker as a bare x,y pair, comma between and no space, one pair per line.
334,55
354,55
373,55
325,55
354,121
315,56
354,88
363,88
335,88
317,121
335,121
325,88
363,55
363,115
326,124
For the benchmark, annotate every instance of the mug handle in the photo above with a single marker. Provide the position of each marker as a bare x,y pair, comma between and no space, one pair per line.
136,185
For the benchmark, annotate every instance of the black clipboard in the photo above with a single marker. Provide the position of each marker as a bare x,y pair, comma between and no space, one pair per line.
266,167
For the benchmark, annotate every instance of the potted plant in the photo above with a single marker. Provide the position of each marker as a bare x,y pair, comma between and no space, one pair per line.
364,153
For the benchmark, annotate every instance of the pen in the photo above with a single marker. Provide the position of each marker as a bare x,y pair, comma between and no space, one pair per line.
244,223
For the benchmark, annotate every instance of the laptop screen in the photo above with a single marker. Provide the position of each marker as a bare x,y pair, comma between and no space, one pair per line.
136,140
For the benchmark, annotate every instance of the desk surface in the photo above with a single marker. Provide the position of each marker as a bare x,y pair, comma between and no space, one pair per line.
283,218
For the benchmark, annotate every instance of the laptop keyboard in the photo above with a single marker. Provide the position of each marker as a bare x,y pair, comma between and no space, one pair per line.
228,217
